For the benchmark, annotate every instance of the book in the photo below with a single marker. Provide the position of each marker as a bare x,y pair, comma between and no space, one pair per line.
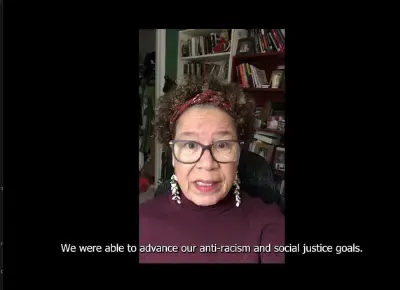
267,139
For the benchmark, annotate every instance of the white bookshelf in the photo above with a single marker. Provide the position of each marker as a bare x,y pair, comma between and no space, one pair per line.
217,58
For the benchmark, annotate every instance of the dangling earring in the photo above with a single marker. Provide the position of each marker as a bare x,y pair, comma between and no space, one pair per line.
174,189
236,183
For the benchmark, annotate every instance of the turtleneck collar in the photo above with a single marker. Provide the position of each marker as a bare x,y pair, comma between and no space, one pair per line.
224,204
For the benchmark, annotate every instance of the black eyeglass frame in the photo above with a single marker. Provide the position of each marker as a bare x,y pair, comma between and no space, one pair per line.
203,148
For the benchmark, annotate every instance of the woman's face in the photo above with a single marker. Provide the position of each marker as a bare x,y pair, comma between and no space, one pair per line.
207,181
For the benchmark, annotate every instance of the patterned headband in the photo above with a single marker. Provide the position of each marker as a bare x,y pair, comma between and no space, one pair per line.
207,96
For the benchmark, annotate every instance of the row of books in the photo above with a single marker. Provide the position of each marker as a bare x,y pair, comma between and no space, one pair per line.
200,45
250,76
266,40
206,69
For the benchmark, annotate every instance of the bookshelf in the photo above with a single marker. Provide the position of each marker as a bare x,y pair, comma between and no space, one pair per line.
256,72
206,39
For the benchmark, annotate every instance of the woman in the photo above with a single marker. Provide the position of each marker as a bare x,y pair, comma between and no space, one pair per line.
205,218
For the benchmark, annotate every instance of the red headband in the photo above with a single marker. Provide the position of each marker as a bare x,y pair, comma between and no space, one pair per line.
208,96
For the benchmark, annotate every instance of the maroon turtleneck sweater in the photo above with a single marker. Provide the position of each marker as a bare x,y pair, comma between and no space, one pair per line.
232,234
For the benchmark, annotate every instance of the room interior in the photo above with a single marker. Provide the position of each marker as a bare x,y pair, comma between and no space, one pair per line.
254,58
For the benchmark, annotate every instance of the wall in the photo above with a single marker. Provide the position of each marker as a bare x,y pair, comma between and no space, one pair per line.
171,53
147,42
171,66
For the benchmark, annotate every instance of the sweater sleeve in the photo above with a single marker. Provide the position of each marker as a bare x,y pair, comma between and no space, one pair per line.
274,235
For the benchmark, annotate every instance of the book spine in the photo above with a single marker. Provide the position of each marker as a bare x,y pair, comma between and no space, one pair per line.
249,76
264,40
256,42
254,75
277,41
276,47
242,76
245,75
281,37
212,42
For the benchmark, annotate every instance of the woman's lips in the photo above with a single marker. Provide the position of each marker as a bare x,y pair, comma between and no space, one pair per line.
206,185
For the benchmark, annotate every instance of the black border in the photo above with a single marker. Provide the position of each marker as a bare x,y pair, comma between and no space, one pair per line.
70,168
329,180
1,145
71,143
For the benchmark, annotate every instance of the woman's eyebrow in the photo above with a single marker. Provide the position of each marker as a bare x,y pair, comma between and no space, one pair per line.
223,133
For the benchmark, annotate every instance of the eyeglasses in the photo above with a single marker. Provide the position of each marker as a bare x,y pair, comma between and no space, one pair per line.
188,151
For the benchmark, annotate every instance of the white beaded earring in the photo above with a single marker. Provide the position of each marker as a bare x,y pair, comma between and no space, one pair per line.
174,189
236,183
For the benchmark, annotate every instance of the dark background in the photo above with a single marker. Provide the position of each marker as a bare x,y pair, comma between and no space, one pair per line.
1,141
70,143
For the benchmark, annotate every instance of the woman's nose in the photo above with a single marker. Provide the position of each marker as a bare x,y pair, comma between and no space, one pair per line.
206,161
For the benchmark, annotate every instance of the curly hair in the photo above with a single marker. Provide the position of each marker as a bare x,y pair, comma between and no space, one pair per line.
242,105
